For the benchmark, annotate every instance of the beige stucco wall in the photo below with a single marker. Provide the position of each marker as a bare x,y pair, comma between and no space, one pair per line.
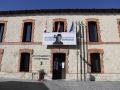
10,59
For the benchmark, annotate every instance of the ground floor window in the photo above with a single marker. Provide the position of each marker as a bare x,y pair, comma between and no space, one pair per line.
24,62
95,63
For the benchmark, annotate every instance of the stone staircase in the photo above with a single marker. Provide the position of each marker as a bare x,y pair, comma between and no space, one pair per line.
78,85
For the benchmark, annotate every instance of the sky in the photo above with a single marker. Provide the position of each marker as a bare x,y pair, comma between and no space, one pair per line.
56,4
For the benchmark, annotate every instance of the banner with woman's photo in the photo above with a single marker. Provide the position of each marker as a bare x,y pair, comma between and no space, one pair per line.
56,38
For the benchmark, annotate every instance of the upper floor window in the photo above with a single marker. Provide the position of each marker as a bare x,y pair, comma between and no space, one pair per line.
24,62
2,27
93,31
118,22
59,25
27,32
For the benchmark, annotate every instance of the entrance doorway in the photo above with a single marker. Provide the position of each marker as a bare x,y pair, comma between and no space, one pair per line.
59,71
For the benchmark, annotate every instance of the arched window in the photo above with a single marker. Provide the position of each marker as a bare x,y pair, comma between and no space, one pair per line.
3,25
28,30
118,21
59,25
93,31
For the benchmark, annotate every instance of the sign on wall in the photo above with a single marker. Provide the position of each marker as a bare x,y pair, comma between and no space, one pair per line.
57,38
41,57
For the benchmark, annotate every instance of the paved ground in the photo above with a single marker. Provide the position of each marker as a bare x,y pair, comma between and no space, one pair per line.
57,85
17,85
78,85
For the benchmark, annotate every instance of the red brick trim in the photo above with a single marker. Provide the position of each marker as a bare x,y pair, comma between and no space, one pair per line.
19,43
1,55
60,19
98,29
40,43
30,63
101,59
33,27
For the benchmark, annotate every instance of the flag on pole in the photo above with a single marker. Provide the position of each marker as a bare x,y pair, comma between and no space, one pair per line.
45,26
72,29
58,28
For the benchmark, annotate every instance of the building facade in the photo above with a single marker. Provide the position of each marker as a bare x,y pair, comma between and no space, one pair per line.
95,51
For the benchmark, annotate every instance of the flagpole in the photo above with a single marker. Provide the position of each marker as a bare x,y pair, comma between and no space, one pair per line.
80,47
77,50
45,26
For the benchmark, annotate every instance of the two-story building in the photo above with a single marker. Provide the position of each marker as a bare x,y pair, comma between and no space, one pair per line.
67,43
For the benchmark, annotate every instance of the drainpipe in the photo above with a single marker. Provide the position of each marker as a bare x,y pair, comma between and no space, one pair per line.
83,50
